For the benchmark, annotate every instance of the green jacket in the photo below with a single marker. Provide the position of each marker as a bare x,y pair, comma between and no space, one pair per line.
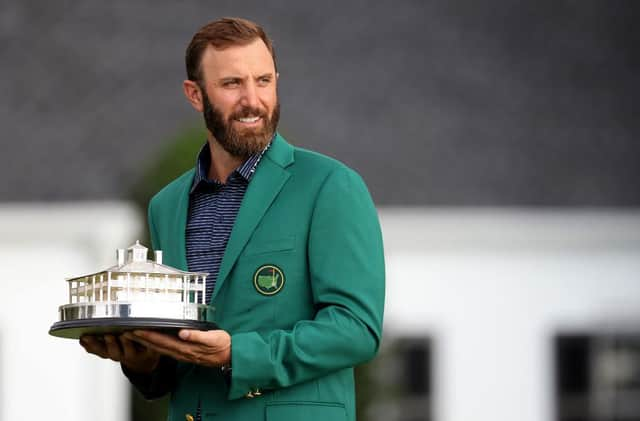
300,324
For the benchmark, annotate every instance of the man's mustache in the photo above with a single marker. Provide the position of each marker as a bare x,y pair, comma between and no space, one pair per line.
246,112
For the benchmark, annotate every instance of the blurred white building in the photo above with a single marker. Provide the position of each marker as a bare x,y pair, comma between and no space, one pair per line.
490,289
43,377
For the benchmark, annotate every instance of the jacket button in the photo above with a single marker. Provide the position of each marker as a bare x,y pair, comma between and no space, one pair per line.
249,395
188,417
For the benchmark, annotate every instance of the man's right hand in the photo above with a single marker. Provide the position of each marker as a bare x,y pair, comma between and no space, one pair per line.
132,355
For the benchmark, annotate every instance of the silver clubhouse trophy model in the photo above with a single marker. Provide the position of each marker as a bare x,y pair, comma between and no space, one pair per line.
135,294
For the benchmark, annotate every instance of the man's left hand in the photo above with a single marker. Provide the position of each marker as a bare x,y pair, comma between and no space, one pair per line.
210,348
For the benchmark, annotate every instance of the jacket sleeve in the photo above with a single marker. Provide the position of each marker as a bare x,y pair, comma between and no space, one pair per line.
158,383
346,270
163,379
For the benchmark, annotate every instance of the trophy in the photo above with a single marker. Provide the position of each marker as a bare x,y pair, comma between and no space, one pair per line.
135,294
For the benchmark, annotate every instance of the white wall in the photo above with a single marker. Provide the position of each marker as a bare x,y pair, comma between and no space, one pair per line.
492,287
41,376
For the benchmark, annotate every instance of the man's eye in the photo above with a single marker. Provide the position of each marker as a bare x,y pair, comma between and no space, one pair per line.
264,81
230,83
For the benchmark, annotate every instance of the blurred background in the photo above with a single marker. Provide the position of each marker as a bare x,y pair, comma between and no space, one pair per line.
500,142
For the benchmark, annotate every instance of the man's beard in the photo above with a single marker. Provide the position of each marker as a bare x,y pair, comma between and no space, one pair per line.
240,143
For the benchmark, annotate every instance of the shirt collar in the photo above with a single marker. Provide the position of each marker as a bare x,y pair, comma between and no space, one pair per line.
203,162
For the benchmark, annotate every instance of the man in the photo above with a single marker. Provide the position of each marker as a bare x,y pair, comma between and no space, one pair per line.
291,241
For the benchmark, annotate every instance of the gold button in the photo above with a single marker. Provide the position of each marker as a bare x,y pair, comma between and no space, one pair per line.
249,395
188,417
257,392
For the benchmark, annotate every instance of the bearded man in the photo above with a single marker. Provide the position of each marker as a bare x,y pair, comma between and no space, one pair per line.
292,245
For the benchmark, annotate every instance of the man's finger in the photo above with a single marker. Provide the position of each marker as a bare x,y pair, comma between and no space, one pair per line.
132,342
113,347
138,340
159,348
128,348
93,346
158,339
176,354
209,338
188,335
168,345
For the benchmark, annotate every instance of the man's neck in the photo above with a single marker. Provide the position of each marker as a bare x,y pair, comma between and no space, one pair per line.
222,162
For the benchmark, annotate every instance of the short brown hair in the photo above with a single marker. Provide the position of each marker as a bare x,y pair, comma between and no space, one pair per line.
221,34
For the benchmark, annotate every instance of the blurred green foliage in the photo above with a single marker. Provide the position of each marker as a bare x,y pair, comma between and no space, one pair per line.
177,157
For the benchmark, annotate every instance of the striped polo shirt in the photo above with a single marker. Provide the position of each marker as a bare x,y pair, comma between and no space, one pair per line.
213,207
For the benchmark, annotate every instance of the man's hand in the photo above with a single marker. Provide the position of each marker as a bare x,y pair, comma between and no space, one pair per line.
209,348
132,355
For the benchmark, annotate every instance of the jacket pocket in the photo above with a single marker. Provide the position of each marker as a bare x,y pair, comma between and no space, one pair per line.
307,411
270,245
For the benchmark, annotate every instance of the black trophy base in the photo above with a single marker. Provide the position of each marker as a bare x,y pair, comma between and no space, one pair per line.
74,329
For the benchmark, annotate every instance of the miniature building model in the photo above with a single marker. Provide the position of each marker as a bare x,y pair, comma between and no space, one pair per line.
135,289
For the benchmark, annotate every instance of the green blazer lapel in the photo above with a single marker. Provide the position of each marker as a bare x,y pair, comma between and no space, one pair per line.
266,183
180,224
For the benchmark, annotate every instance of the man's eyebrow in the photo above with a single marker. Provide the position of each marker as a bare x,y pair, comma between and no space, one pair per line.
225,79
229,78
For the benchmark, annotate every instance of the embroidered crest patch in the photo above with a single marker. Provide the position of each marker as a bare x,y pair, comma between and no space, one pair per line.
268,279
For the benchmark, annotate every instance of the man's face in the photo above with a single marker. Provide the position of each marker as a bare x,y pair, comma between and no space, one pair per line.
240,103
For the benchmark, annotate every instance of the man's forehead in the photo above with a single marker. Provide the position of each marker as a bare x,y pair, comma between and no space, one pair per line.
252,57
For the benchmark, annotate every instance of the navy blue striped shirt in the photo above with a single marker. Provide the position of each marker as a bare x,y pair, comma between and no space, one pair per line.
213,207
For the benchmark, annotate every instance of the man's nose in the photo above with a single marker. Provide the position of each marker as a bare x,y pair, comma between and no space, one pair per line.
250,96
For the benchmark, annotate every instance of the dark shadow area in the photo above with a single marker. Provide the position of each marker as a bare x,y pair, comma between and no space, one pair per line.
597,376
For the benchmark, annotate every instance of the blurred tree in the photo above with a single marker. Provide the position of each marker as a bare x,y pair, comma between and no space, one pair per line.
177,157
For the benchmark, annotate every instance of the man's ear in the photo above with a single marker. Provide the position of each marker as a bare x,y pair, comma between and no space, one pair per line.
194,94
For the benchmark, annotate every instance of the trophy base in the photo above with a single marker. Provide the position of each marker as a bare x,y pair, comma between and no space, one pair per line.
73,329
